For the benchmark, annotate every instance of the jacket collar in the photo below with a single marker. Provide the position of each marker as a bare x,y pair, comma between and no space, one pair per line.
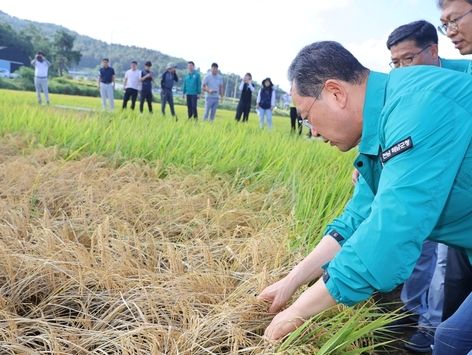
373,105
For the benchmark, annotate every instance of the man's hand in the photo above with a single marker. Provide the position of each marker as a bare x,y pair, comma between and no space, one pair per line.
284,323
278,294
355,176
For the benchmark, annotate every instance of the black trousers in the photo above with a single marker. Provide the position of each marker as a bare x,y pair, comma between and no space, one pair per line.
146,95
243,109
192,106
294,119
457,282
167,97
130,93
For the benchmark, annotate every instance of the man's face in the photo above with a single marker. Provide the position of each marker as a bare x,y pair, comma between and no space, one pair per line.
133,66
214,70
105,63
408,53
462,37
190,67
332,121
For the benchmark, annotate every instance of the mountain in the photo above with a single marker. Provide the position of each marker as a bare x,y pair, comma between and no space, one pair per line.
94,50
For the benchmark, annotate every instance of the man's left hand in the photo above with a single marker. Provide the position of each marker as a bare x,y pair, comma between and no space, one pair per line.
284,323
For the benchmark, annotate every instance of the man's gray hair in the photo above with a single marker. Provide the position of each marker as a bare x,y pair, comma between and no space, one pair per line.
321,61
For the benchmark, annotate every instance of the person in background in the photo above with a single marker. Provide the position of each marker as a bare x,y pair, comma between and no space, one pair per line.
454,334
244,106
146,79
169,77
106,84
266,103
213,88
132,85
192,89
41,68
294,119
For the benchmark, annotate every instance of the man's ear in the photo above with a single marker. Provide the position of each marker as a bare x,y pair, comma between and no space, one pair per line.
337,91
434,50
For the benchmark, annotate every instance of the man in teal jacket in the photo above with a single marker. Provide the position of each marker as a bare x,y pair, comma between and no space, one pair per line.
416,43
192,90
414,132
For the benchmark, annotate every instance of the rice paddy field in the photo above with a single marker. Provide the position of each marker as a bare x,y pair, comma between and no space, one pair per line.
128,233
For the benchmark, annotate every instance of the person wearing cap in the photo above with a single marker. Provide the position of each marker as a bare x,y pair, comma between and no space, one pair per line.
132,85
266,102
413,129
213,89
147,77
106,84
41,67
169,77
192,89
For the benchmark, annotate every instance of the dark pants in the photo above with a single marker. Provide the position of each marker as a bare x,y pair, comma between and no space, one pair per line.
454,336
130,93
243,109
167,97
458,281
192,106
294,119
146,95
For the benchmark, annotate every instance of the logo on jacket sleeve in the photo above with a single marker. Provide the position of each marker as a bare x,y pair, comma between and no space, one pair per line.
396,149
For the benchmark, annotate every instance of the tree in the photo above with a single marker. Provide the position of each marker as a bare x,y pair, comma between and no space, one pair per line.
64,55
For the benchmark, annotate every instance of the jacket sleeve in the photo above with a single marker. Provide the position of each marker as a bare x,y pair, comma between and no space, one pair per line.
184,86
199,84
176,78
258,100
355,212
413,190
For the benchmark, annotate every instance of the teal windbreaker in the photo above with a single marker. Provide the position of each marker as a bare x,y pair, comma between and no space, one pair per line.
192,84
415,163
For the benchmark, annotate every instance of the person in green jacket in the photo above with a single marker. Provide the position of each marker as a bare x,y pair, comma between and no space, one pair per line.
413,128
192,90
416,43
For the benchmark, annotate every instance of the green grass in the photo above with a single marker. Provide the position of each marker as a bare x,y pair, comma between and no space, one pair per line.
316,175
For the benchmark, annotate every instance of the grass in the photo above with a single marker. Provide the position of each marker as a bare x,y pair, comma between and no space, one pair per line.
135,234
316,175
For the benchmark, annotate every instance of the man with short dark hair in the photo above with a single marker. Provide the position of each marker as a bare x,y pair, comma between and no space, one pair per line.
213,89
409,125
132,85
169,77
192,90
41,67
147,77
106,84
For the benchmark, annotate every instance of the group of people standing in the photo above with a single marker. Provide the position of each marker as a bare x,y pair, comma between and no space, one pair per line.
265,102
139,83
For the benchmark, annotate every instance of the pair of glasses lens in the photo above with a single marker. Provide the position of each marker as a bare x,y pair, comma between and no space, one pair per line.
452,25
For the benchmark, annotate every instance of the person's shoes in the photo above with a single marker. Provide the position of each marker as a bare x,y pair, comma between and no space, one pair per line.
421,341
408,320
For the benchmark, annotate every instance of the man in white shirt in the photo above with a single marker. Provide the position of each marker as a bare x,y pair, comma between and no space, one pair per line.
41,67
131,84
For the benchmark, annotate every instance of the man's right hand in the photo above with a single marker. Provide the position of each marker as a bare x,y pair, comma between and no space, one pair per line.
278,294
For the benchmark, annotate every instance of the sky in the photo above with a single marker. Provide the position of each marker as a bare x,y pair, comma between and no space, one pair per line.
257,36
